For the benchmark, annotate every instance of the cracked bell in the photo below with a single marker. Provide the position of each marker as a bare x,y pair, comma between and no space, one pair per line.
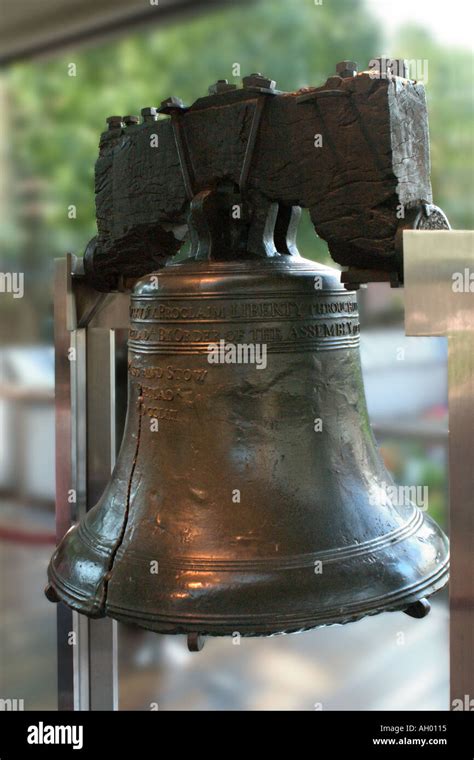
248,495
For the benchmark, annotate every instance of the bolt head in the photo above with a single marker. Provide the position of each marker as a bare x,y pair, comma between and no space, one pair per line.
222,85
130,120
114,122
346,69
171,104
149,114
258,80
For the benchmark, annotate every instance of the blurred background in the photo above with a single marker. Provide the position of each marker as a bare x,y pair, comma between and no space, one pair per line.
127,55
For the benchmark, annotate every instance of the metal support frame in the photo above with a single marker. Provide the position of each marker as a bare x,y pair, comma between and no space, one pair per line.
88,336
435,262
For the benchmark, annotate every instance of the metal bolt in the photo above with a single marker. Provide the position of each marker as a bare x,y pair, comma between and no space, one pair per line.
114,122
195,642
419,609
346,69
171,104
130,120
258,80
222,85
149,114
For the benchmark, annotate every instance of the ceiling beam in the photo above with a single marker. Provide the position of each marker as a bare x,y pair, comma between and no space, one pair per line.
32,30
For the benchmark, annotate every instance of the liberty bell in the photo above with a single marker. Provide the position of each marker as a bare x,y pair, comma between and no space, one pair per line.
248,494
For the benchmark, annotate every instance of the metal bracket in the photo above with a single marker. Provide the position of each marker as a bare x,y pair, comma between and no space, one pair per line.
353,278
249,150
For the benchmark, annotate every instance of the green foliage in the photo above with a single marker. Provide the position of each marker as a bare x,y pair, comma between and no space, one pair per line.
415,465
55,119
450,107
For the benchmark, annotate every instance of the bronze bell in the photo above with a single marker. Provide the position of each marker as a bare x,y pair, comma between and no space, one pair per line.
248,494
247,497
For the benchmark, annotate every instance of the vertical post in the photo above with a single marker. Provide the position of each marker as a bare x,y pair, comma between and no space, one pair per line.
101,447
64,459
78,338
439,301
461,475
86,416
71,474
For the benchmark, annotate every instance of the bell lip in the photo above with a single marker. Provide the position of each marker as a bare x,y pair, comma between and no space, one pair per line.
96,602
257,625
81,602
264,625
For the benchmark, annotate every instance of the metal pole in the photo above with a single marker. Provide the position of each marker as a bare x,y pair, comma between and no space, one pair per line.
101,447
64,458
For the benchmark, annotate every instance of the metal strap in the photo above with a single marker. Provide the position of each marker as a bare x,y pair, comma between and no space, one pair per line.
259,105
183,154
185,161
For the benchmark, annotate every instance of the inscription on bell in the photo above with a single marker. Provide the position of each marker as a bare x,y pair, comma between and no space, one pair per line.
290,309
304,330
168,372
161,413
160,394
244,310
325,330
163,311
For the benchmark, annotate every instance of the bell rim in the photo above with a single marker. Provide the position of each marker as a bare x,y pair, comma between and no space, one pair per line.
177,626
252,625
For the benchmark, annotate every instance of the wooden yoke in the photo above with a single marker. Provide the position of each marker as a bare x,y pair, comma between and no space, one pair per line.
232,171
